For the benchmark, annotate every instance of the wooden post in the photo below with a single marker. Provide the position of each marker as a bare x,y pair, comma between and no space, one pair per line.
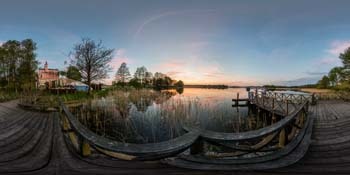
313,99
237,101
287,107
65,124
262,97
282,138
85,148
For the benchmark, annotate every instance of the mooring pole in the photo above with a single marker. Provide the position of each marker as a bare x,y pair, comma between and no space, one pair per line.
287,107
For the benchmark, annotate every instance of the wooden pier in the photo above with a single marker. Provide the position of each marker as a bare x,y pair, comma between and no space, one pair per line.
37,143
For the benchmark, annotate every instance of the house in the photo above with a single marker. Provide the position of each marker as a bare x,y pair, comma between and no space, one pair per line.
47,77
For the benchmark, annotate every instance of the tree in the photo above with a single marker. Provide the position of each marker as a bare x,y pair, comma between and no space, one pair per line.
162,82
345,57
324,82
12,54
92,59
167,81
28,64
123,73
135,83
179,84
18,64
73,73
140,74
336,75
148,78
62,73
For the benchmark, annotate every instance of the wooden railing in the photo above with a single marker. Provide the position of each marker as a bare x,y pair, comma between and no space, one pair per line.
278,102
280,144
294,121
275,141
84,139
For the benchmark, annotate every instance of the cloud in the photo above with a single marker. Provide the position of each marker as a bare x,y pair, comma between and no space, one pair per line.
119,58
338,47
331,58
315,73
193,70
196,45
166,14
328,61
244,83
174,73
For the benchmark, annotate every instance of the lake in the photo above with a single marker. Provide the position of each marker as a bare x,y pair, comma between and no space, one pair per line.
147,116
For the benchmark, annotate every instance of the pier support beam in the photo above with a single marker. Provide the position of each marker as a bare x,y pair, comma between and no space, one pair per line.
282,138
197,147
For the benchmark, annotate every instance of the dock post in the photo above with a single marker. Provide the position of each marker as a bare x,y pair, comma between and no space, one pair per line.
313,99
65,124
85,148
282,138
237,102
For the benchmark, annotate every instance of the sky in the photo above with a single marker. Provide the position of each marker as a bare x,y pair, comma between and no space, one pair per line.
233,42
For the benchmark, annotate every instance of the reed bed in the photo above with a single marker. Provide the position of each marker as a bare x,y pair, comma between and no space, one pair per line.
148,116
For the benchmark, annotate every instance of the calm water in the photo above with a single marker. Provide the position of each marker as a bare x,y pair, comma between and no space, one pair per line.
151,116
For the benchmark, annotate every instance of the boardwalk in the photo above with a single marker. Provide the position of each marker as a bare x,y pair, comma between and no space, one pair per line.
33,143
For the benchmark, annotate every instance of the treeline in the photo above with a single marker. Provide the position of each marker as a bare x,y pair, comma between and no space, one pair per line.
274,87
338,77
18,65
208,86
143,78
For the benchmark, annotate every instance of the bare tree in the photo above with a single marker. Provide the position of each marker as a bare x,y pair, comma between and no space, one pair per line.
92,59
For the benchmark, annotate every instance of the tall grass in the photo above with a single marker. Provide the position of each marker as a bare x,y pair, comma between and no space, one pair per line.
147,116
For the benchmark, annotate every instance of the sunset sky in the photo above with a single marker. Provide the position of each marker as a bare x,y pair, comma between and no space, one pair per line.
201,42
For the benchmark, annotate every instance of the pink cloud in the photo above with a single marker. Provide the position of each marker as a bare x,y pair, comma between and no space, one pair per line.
332,54
120,57
244,83
338,47
327,61
172,64
193,70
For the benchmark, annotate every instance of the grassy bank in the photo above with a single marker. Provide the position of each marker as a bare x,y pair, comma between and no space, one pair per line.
7,96
328,94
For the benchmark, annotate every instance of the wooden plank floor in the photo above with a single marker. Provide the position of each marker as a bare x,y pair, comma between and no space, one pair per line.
33,143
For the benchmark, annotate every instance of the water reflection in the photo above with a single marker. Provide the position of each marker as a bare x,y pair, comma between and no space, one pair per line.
145,116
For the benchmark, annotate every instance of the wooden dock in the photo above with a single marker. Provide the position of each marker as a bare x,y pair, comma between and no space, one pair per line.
34,143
